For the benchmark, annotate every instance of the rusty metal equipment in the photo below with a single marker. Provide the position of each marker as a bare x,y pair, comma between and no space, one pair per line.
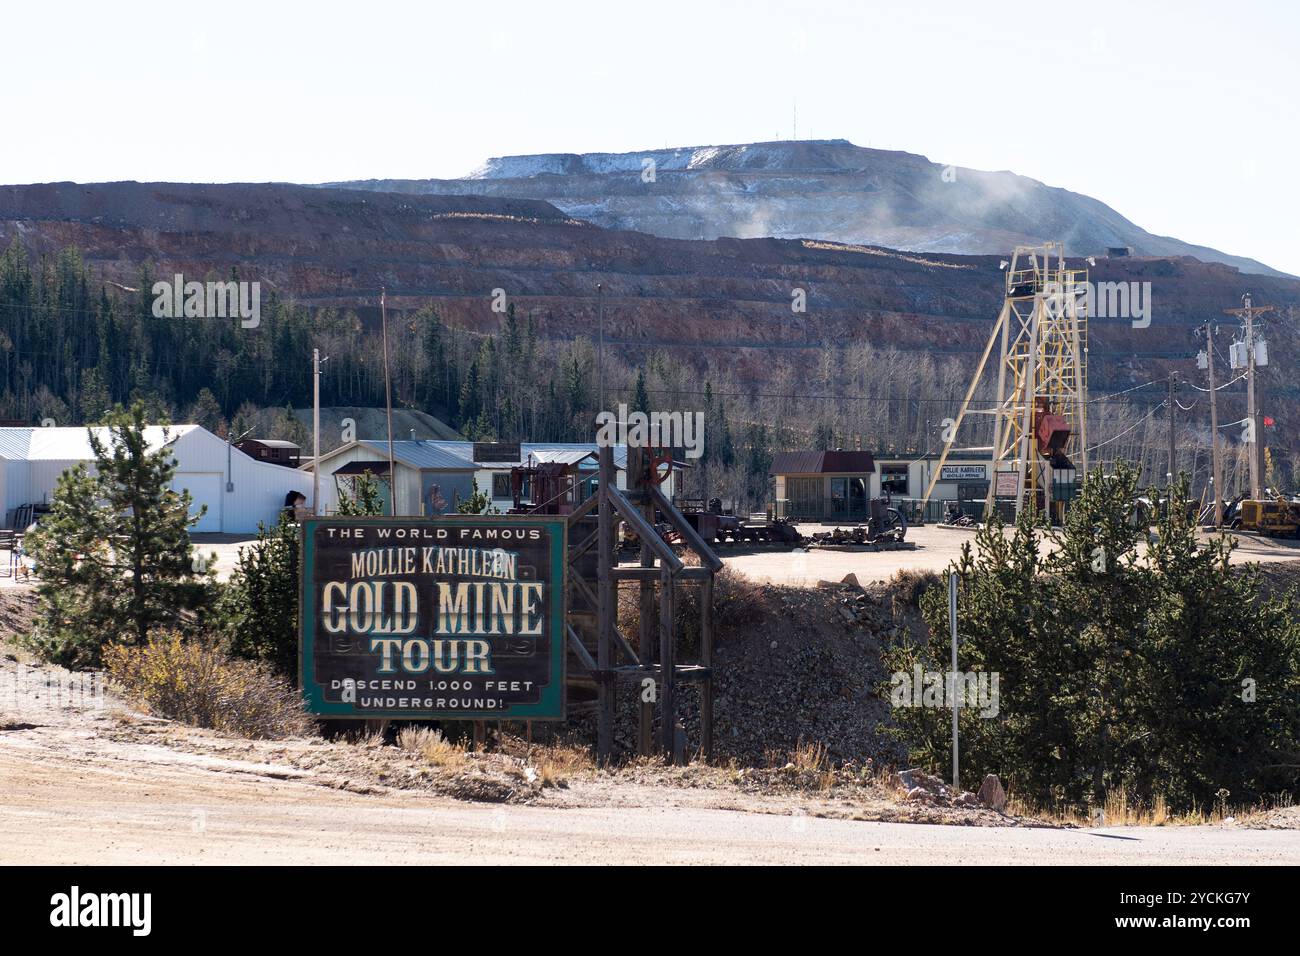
1052,432
885,525
717,525
1277,517
547,487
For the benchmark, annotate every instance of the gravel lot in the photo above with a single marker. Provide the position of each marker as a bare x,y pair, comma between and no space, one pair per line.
936,548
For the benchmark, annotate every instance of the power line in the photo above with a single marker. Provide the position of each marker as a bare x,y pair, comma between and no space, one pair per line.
1125,391
802,396
1219,388
1130,428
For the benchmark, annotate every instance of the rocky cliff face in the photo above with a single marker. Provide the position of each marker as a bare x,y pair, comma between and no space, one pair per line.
823,189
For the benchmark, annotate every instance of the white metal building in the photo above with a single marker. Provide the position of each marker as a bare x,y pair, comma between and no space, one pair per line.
428,470
239,492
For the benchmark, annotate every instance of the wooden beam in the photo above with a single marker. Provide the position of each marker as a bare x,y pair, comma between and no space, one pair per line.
605,607
646,623
651,574
583,546
584,509
706,660
644,531
579,648
667,703
688,533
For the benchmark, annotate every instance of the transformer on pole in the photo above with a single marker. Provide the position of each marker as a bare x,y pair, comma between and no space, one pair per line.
1040,412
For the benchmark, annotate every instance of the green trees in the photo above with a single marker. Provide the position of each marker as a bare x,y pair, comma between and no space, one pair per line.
1148,667
366,497
260,603
206,411
477,503
72,346
114,554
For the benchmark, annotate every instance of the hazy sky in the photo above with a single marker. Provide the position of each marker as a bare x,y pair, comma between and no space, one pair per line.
1182,116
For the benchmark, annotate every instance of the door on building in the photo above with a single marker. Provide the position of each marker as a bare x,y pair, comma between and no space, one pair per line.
849,498
205,489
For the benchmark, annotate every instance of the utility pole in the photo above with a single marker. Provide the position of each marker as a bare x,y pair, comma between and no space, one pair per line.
1173,385
1248,313
388,402
1216,472
230,440
1260,445
315,431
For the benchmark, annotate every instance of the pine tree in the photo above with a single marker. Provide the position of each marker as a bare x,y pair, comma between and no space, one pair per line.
288,428
1151,668
366,498
114,554
93,402
260,605
640,397
207,412
435,381
478,502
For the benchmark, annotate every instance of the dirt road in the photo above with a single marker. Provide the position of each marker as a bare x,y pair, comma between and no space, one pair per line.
54,813
81,781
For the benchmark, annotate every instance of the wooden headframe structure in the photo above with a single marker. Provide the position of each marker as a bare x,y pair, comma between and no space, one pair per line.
613,662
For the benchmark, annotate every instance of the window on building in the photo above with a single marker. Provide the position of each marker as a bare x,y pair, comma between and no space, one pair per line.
848,495
804,498
501,484
893,479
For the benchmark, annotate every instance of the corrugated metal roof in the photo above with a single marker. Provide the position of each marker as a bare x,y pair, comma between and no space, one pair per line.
14,443
821,462
73,443
421,454
567,457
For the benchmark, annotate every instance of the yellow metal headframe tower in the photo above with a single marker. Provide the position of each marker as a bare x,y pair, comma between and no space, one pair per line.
1040,413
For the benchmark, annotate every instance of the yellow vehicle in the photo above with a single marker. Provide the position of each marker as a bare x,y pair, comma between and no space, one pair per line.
1277,517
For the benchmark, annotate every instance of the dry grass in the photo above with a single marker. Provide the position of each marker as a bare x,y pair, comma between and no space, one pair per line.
808,759
1121,810
196,682
433,747
557,764
908,584
809,756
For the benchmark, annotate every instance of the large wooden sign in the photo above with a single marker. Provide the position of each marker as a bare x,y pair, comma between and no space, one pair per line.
456,617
